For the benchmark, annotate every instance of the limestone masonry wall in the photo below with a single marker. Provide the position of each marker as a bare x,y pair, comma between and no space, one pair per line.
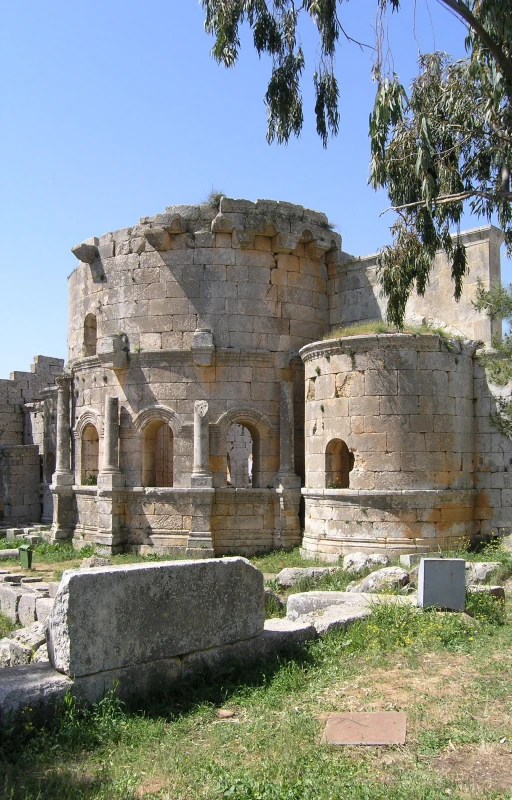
186,421
25,442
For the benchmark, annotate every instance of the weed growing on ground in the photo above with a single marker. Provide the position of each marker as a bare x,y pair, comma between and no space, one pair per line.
448,673
6,626
483,606
280,559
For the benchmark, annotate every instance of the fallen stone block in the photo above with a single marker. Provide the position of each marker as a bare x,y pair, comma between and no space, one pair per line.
53,588
494,591
12,553
279,635
410,560
30,687
14,533
40,656
303,603
44,606
13,654
27,608
328,610
442,583
32,636
355,563
292,575
480,571
176,607
95,561
135,681
9,601
12,577
386,579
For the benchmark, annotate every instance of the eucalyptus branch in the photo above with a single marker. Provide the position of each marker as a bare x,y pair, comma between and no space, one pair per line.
443,200
497,52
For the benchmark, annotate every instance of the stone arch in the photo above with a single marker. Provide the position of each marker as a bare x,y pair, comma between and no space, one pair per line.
339,462
265,445
90,335
158,426
158,413
88,417
89,455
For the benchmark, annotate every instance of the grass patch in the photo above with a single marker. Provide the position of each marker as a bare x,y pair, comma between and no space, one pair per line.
277,560
6,626
450,675
380,326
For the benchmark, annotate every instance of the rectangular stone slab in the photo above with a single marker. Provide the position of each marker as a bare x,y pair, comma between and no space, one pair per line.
372,728
107,618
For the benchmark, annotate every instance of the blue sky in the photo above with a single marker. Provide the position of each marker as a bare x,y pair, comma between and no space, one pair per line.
113,110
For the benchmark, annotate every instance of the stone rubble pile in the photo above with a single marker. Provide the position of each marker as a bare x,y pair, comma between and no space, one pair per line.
133,625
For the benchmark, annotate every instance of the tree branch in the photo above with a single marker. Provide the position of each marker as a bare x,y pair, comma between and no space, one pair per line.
463,11
443,200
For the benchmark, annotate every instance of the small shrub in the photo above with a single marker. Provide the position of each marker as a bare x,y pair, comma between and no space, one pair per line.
486,607
6,626
214,197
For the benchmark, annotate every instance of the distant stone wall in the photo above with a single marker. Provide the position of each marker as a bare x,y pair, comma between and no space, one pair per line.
355,292
20,493
23,426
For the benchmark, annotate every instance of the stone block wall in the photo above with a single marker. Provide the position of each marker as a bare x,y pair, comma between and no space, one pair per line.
23,427
390,443
20,497
355,292
493,458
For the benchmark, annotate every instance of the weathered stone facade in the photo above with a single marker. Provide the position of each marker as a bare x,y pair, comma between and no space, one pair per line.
27,442
186,424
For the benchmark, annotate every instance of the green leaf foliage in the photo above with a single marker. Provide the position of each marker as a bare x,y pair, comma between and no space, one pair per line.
442,146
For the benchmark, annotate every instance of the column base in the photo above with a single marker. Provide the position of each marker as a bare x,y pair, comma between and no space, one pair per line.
108,481
201,480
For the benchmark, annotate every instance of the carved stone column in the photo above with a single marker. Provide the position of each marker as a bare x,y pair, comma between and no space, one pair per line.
109,536
61,487
111,435
200,542
287,528
287,476
63,459
201,472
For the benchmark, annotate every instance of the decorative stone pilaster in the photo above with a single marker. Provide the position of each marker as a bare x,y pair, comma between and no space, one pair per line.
287,527
109,537
61,488
201,472
111,436
200,542
287,477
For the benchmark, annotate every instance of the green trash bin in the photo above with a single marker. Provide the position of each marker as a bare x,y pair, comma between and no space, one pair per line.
25,551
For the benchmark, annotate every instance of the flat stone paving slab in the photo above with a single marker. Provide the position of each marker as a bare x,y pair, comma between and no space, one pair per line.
369,728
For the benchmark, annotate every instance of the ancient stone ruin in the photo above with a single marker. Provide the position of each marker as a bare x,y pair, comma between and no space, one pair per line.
206,407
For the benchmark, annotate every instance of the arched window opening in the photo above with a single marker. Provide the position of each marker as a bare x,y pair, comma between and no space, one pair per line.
90,456
157,454
339,462
90,335
240,457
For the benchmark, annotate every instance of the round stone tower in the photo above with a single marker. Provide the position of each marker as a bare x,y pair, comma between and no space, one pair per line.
184,334
389,437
